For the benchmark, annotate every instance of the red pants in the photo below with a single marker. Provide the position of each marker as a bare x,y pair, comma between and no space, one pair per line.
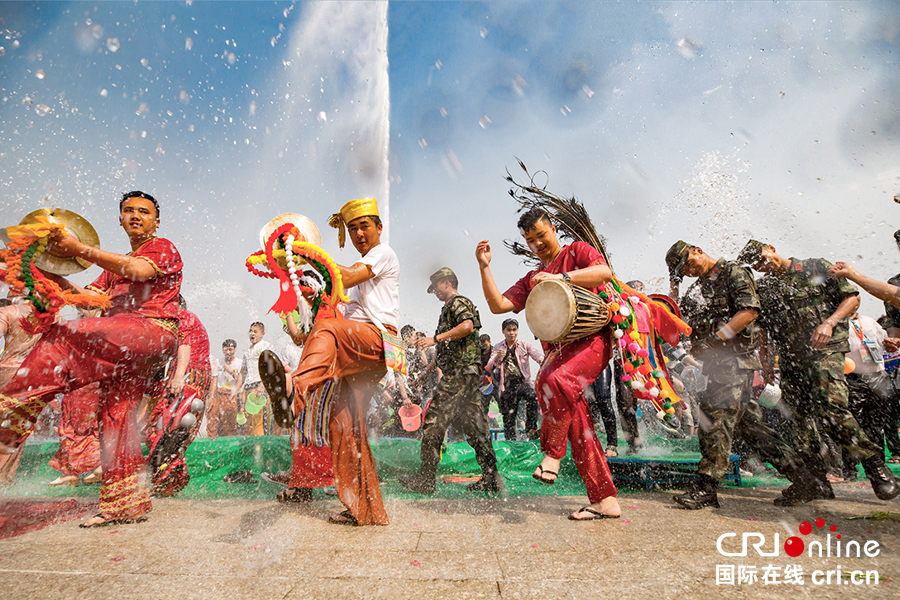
310,466
567,418
79,441
122,353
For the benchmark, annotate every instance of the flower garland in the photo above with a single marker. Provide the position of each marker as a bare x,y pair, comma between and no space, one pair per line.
283,243
27,243
639,354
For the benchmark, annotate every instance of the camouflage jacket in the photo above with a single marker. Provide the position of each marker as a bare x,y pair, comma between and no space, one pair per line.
713,300
464,353
796,302
892,312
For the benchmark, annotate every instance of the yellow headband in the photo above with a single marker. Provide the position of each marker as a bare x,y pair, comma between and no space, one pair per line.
354,209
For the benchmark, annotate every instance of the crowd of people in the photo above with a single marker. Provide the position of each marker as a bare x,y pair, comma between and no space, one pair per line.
781,369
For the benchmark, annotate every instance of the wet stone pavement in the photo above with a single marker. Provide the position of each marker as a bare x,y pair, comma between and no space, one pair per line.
517,548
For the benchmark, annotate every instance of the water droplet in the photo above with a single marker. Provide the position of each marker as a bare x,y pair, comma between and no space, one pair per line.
188,43
104,92
273,41
2,51
112,44
231,58
322,117
484,121
483,32
42,110
144,62
422,143
40,74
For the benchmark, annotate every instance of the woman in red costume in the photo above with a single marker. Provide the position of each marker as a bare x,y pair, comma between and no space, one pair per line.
567,369
122,350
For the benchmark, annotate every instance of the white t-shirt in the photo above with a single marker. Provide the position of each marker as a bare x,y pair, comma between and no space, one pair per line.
251,361
871,330
227,379
381,294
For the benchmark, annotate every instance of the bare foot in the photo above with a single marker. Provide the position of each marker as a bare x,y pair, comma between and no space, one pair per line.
4,449
548,470
608,508
71,480
93,521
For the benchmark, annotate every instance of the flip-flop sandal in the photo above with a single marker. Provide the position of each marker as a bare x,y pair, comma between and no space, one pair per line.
295,494
107,522
594,515
271,372
344,518
543,479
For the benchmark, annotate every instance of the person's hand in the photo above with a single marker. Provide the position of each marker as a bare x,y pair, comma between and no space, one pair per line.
501,353
843,269
544,276
67,246
892,344
483,253
426,342
821,336
176,386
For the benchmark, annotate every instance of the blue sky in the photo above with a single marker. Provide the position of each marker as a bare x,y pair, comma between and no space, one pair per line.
712,122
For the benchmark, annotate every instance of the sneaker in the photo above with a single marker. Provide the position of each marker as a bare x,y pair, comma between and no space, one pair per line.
697,499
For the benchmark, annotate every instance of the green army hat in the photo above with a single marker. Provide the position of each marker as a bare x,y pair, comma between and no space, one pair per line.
441,273
676,258
752,253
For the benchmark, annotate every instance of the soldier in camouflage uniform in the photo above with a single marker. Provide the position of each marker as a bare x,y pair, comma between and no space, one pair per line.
805,313
720,307
456,400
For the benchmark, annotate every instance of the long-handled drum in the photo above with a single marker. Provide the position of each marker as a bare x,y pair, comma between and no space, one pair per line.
559,313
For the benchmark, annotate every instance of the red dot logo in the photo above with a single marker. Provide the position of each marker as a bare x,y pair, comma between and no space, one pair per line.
793,546
805,528
820,523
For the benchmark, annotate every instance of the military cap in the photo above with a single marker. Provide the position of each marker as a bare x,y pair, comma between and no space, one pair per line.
676,258
442,273
752,253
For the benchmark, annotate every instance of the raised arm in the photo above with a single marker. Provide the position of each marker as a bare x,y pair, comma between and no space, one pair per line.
497,302
881,290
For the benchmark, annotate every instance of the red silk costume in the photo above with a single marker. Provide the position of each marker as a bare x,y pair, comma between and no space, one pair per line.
121,350
79,435
566,372
174,477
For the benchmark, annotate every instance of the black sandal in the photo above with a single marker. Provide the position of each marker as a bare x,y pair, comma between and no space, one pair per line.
344,518
295,494
271,372
106,521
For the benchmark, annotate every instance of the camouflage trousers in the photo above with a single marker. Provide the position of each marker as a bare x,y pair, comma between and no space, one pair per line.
727,411
457,402
815,390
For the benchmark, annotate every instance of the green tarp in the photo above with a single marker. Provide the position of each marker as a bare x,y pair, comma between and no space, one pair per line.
210,460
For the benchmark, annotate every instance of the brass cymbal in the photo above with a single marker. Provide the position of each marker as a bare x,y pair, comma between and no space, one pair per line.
76,225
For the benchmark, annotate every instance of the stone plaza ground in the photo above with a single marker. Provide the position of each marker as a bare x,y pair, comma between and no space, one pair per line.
455,548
